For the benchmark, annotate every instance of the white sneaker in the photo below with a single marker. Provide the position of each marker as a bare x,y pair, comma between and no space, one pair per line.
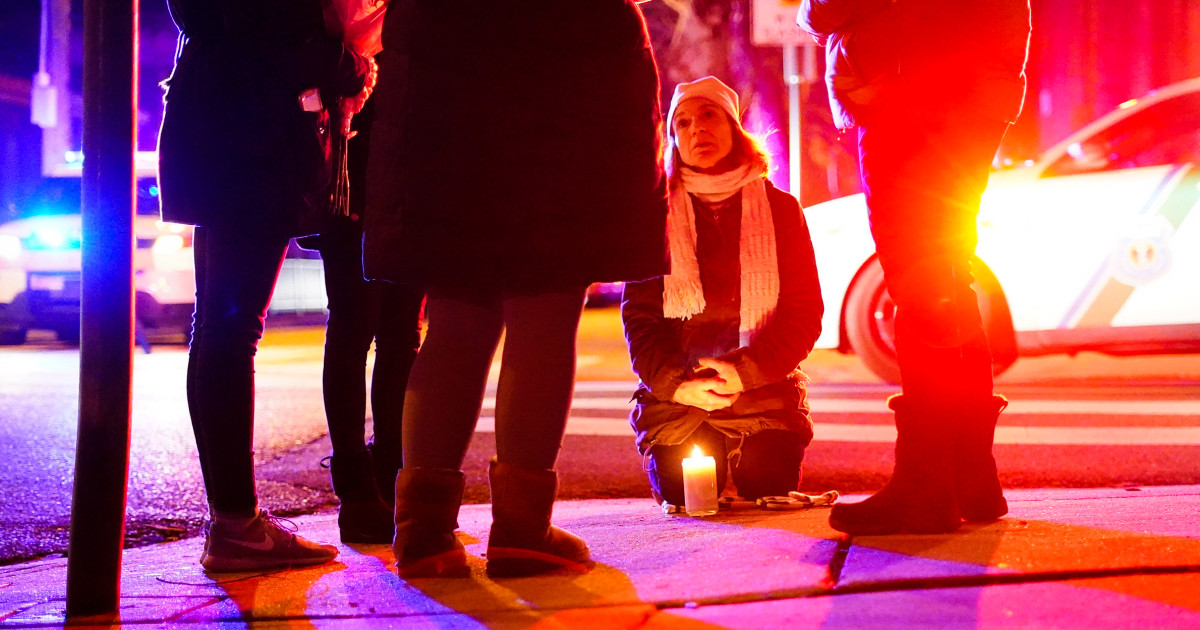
267,542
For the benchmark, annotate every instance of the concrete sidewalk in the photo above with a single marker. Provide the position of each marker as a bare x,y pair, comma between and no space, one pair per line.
1099,558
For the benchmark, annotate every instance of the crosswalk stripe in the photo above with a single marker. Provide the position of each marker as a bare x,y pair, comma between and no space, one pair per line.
880,433
1058,436
627,387
1015,407
610,396
1038,407
605,386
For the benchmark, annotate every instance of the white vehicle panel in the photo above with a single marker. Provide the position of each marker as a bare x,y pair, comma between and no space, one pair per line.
841,239
1095,246
1173,297
1051,254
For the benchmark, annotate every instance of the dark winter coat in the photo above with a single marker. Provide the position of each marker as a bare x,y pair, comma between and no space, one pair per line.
516,146
236,149
665,351
939,55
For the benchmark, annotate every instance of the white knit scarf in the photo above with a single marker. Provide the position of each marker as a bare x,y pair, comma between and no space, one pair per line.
683,294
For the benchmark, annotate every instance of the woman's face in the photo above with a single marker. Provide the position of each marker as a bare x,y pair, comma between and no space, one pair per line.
703,133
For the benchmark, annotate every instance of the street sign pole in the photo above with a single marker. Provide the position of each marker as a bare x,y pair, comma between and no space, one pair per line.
51,98
774,24
791,77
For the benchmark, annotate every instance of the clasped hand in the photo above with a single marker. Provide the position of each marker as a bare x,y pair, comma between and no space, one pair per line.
711,392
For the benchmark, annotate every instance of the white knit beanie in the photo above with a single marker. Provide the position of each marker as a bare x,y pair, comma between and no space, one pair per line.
710,88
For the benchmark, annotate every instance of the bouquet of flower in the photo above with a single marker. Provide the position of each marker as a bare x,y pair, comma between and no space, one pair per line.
359,24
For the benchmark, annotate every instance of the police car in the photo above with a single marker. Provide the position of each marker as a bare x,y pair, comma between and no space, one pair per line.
40,262
1093,246
40,268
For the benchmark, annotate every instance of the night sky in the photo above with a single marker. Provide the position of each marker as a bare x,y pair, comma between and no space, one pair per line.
19,37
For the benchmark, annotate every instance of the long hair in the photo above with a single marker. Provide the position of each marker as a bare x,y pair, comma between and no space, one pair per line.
747,147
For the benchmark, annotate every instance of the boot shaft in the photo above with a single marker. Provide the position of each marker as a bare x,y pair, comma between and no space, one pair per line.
353,477
977,422
977,482
924,444
429,496
522,501
386,466
522,540
427,503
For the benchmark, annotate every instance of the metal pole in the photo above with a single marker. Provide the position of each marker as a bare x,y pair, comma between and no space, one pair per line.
106,348
57,57
791,76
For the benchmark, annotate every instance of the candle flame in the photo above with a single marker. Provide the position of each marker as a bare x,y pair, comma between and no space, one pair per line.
696,452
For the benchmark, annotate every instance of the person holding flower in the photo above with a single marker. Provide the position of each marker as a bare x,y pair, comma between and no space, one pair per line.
363,313
718,342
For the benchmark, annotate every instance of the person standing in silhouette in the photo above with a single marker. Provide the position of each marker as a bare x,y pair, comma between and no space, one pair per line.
514,160
244,156
931,87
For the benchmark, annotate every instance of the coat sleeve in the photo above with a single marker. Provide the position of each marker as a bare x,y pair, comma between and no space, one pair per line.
654,348
341,70
789,335
284,30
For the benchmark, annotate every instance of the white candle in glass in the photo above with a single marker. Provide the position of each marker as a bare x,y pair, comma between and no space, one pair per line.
699,484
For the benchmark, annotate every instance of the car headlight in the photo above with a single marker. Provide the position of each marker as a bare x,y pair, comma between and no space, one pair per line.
10,247
168,243
175,228
48,238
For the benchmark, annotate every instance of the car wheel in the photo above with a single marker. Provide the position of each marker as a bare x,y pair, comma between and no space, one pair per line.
871,321
68,335
12,337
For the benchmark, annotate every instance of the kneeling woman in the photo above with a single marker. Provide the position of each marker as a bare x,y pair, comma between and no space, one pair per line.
718,342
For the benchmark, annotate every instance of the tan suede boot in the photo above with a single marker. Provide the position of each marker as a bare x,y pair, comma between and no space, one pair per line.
427,502
522,540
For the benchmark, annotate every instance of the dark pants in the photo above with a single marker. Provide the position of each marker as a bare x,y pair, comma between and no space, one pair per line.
360,312
449,378
769,463
235,277
923,178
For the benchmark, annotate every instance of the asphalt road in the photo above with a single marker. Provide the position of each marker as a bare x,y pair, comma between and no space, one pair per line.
1082,421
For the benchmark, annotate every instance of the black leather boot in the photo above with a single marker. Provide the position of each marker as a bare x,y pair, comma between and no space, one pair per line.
363,517
427,502
522,540
920,497
976,482
387,465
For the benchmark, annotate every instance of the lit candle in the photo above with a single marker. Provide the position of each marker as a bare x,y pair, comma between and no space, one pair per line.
699,484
